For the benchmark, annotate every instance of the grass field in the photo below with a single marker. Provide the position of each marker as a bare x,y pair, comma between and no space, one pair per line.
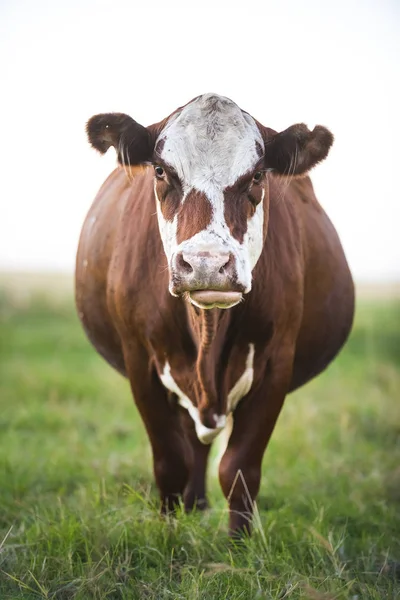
79,509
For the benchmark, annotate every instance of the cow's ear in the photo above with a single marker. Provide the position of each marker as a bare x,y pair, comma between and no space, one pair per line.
297,149
133,143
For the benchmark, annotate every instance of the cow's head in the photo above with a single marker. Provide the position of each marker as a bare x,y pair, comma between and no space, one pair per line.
211,167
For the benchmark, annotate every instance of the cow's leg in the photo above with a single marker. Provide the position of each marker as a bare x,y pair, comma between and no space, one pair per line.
240,467
163,427
195,491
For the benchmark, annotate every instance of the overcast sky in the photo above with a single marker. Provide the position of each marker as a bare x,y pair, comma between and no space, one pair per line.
333,63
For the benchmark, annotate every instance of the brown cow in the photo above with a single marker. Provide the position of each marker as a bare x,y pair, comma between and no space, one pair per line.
209,275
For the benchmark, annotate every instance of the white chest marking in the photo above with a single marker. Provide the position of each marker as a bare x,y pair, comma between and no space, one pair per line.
205,435
239,390
244,383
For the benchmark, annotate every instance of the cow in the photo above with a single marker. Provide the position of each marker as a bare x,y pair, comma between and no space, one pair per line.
209,275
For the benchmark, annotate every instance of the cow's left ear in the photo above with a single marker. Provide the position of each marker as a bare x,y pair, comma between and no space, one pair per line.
133,142
297,149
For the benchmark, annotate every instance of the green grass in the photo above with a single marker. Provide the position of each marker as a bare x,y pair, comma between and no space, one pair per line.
79,509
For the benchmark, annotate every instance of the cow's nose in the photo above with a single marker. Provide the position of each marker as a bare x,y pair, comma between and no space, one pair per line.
204,263
209,278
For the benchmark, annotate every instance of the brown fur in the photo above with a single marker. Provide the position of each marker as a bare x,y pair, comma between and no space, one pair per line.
170,194
240,202
194,215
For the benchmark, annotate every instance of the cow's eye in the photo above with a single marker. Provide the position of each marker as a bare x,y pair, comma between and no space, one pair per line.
257,176
159,171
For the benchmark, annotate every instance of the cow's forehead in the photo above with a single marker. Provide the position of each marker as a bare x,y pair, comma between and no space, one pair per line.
210,143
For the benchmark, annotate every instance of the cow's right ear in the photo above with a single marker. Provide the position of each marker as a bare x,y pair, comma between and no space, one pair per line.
133,143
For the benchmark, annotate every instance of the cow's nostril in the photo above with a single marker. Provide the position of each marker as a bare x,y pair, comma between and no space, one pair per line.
228,266
182,265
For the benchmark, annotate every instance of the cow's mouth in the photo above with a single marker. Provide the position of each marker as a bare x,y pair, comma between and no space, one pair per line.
214,298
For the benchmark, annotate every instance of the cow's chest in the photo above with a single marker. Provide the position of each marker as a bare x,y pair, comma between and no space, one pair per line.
241,381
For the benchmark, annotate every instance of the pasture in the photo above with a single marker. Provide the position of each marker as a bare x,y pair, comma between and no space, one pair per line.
79,509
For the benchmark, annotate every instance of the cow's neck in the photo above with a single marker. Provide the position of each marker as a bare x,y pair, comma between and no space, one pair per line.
208,328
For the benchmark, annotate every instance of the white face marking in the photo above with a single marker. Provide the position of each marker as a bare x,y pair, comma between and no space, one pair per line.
205,435
253,237
168,229
210,144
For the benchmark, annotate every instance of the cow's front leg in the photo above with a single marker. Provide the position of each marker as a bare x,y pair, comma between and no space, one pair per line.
170,452
240,467
195,496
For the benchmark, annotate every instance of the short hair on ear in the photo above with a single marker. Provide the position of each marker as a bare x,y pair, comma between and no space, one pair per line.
297,149
133,143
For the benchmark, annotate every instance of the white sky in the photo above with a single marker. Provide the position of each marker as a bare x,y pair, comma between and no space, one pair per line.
284,61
